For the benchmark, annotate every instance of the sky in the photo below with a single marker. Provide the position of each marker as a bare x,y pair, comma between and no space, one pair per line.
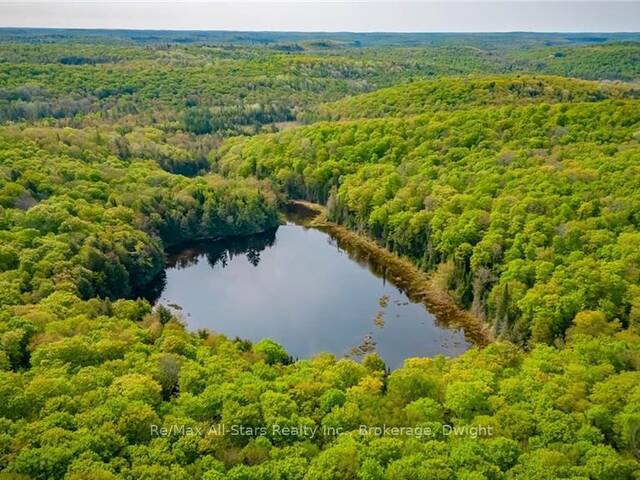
362,16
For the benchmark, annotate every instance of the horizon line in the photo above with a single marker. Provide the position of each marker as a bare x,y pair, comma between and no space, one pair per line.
311,32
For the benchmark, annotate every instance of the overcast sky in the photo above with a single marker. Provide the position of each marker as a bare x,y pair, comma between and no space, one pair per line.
417,16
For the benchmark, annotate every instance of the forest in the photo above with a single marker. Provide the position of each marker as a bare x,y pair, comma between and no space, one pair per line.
507,168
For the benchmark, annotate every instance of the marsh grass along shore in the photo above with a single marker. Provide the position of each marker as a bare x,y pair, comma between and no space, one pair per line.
418,285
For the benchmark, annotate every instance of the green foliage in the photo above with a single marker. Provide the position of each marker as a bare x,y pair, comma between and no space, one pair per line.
565,412
528,215
453,93
520,195
621,61
95,225
272,352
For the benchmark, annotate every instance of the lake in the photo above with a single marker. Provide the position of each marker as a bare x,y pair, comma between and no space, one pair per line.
299,287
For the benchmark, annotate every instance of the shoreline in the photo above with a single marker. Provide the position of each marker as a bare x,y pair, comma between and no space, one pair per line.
417,284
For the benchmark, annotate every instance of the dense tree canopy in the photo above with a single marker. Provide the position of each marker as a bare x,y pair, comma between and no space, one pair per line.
520,195
225,90
102,374
94,225
527,214
454,93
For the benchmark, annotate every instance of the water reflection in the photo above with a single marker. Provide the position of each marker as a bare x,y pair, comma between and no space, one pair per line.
305,290
223,251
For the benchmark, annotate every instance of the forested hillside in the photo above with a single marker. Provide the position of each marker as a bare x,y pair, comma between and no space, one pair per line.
620,61
529,215
235,89
92,224
455,93
518,192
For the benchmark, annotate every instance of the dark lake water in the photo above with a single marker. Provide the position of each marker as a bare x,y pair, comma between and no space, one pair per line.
298,287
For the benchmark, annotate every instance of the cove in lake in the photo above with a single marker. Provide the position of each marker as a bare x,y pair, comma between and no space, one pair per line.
301,288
